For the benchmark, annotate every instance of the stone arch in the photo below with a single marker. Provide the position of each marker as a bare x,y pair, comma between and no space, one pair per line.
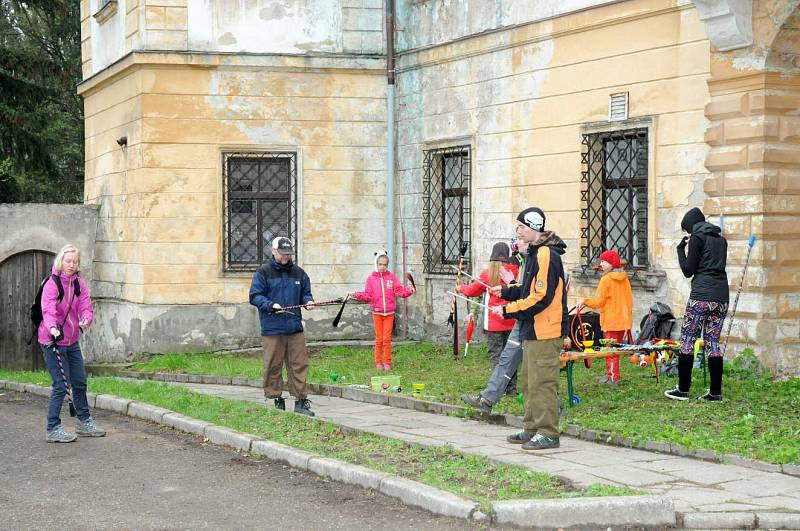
47,227
754,164
784,50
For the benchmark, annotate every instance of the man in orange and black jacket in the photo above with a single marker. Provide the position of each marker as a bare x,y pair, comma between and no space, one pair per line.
540,304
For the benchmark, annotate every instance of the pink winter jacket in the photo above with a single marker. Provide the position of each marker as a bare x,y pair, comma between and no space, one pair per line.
380,290
52,314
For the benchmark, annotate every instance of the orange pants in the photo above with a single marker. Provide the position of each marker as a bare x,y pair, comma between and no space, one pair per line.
383,338
612,363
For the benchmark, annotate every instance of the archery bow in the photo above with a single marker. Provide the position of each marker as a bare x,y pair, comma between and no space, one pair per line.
341,310
410,278
337,300
470,330
453,318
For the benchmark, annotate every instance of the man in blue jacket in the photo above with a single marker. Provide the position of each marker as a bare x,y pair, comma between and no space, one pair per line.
281,283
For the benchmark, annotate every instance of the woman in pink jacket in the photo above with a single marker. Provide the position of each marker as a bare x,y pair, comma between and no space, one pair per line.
59,334
380,290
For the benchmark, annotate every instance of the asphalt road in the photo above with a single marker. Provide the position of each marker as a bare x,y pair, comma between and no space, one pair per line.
143,476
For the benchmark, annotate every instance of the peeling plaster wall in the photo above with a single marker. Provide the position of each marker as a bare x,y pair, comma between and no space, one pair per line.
159,264
520,98
283,26
429,22
108,38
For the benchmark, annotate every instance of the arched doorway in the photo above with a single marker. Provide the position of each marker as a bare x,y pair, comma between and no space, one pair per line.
20,276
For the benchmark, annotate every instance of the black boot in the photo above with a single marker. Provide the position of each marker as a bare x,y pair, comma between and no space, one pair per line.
714,394
280,403
684,378
685,365
303,407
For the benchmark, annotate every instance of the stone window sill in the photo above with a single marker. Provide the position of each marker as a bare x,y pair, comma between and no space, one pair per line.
108,10
649,280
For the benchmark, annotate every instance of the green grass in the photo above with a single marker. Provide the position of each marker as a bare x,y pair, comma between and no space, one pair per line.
473,477
757,419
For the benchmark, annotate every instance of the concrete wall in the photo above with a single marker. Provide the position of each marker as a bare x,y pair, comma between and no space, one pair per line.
48,227
522,98
160,197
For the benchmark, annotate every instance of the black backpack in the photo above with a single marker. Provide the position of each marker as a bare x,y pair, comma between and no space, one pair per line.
36,307
656,324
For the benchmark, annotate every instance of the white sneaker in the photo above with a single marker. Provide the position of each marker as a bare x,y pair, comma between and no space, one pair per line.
89,429
60,435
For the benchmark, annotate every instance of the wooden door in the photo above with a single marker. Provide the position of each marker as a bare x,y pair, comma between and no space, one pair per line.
20,276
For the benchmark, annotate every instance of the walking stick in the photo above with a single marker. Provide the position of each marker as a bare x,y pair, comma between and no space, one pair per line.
750,243
67,385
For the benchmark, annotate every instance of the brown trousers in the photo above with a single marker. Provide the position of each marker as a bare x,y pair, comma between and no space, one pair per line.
290,349
540,360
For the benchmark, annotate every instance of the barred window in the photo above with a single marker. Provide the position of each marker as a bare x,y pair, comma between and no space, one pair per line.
614,196
446,208
260,198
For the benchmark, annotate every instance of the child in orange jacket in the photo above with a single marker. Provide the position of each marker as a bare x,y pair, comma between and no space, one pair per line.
380,290
614,300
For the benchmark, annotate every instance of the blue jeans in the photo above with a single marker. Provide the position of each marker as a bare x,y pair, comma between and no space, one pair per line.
76,375
506,368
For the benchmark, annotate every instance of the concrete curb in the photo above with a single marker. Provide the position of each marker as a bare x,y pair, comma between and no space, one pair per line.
426,406
636,511
408,491
627,511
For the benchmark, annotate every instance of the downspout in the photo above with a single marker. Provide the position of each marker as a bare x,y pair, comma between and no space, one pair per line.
390,141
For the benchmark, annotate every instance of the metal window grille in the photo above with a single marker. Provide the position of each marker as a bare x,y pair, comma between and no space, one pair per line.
446,208
260,198
614,196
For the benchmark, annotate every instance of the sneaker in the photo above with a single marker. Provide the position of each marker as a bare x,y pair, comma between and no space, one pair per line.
379,366
89,428
541,442
478,402
280,403
59,435
711,398
387,367
519,438
302,406
676,394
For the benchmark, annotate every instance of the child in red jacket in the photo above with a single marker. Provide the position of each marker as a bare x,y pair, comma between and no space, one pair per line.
614,299
497,328
380,290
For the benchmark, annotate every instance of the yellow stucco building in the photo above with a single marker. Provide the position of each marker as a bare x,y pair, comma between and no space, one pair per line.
211,127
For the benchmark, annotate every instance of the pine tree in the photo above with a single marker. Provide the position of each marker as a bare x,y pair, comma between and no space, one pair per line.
41,115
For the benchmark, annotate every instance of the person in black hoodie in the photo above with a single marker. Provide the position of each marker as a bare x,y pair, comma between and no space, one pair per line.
704,262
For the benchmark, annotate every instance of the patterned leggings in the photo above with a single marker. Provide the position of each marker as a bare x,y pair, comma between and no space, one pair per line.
703,317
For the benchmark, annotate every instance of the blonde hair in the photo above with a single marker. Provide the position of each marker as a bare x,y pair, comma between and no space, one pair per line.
59,261
494,272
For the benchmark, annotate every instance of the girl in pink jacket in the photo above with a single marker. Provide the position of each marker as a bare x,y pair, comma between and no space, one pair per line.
59,334
380,290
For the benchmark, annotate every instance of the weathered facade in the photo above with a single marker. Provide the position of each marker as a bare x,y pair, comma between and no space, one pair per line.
244,119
